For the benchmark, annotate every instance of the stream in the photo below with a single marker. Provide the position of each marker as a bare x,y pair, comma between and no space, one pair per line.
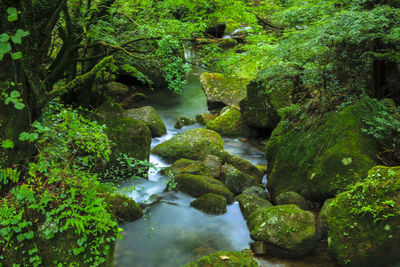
172,233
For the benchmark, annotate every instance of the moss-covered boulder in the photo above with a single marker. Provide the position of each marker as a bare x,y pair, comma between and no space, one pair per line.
249,203
257,191
123,208
319,160
116,91
265,96
148,116
322,221
213,165
364,222
227,43
132,137
292,198
192,144
230,123
243,165
198,185
186,166
204,118
287,230
210,203
226,259
235,180
184,120
220,89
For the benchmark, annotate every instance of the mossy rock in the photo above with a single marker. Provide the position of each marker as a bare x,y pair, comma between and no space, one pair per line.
186,166
227,43
226,259
322,221
265,96
116,91
204,118
124,209
213,165
249,203
235,180
321,160
150,118
292,198
210,203
244,166
222,89
287,230
364,222
198,185
192,144
257,191
132,137
184,121
230,123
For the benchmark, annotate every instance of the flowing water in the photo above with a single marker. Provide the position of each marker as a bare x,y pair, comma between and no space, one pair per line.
173,233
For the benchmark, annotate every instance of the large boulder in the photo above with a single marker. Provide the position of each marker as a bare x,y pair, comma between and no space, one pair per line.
292,198
187,166
265,96
184,120
226,259
249,203
198,185
192,144
150,118
131,137
116,91
287,230
257,191
318,161
364,222
229,123
123,208
235,180
204,118
210,203
222,91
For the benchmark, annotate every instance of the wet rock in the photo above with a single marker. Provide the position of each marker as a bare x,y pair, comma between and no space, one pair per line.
235,180
292,198
249,203
213,165
210,203
287,230
229,123
257,191
204,118
244,166
184,121
259,248
192,144
186,166
364,221
226,259
198,185
125,209
148,116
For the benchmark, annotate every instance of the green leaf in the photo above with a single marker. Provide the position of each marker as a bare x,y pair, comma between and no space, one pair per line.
17,38
24,136
21,237
19,105
29,235
347,161
12,14
16,55
15,94
4,37
7,144
4,49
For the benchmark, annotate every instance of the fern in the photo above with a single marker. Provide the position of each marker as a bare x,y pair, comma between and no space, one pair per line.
9,175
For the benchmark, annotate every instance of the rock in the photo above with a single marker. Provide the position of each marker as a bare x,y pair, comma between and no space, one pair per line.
229,123
323,159
204,118
124,209
227,43
217,30
116,91
184,121
198,185
150,118
187,166
292,198
265,96
210,203
364,221
244,166
213,165
257,191
192,144
235,180
132,137
226,259
322,221
287,230
223,91
249,203
259,248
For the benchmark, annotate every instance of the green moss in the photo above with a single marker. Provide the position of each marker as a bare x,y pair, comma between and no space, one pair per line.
226,259
204,118
150,118
243,165
198,185
321,160
229,123
250,203
285,229
186,166
235,180
210,203
292,198
124,209
192,144
364,222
